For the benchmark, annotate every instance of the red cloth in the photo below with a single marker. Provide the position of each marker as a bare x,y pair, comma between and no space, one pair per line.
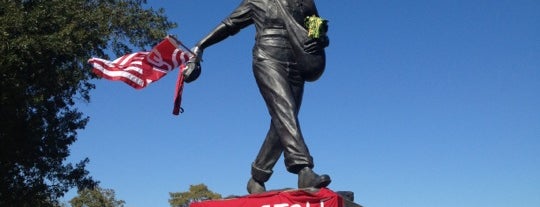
178,92
293,198
142,68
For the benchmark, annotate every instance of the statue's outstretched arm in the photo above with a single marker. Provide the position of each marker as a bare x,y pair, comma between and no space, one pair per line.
219,33
193,70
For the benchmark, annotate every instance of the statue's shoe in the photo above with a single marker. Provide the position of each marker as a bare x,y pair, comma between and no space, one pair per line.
254,187
309,179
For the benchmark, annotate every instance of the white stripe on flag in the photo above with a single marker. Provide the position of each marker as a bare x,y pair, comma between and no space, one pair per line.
119,73
135,69
127,59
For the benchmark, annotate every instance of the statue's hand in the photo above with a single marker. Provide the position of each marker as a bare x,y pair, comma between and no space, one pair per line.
316,45
193,69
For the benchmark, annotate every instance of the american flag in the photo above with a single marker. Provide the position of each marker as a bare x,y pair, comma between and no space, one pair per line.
142,68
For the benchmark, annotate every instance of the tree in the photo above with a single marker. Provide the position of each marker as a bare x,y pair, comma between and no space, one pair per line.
44,46
96,197
196,193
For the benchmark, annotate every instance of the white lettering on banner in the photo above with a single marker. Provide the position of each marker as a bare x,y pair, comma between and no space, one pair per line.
292,205
157,60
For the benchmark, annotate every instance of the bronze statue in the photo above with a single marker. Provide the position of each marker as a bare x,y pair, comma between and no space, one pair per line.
280,76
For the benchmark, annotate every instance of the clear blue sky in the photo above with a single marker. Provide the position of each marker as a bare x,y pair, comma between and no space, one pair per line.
423,104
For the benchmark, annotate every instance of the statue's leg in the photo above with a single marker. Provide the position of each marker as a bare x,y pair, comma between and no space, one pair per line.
283,97
268,155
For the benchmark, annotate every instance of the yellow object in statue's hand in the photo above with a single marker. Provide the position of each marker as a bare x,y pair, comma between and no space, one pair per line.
316,26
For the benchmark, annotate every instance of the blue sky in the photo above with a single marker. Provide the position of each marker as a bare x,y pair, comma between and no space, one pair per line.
422,104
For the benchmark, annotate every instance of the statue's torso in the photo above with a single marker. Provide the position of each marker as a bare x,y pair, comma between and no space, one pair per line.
266,14
269,21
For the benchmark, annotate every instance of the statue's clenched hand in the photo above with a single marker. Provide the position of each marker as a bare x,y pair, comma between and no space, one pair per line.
193,69
315,45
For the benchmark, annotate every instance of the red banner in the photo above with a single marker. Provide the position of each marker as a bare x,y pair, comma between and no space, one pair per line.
293,198
142,68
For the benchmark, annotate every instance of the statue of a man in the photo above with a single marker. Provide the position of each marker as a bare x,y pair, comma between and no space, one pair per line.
280,79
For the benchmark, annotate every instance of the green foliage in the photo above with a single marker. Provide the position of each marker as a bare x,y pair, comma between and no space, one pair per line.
196,193
96,197
316,26
44,46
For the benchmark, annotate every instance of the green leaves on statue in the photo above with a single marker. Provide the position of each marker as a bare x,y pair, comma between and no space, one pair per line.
316,26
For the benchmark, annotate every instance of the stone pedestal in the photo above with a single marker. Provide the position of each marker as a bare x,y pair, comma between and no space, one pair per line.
308,197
